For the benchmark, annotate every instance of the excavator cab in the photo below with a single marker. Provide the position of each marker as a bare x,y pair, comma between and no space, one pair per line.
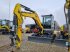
48,20
48,23
5,22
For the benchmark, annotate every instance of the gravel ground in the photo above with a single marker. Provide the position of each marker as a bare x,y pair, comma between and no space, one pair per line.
28,46
4,39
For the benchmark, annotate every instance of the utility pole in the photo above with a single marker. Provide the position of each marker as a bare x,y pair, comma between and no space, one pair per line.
9,9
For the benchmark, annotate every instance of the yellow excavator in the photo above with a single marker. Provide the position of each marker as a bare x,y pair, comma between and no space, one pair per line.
4,26
18,21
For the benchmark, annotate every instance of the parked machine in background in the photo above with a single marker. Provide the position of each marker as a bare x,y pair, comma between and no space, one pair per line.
4,26
27,29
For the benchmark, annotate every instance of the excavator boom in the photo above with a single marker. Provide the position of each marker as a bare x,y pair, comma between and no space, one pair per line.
18,20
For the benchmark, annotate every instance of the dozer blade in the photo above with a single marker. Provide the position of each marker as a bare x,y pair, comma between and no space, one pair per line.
59,42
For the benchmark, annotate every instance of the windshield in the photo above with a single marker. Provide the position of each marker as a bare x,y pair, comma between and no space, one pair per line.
47,21
3,22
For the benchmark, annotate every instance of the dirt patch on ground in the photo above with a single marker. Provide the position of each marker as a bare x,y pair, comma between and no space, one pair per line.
35,47
28,46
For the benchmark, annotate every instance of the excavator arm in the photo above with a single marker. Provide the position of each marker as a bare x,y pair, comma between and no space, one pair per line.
18,20
35,17
31,14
